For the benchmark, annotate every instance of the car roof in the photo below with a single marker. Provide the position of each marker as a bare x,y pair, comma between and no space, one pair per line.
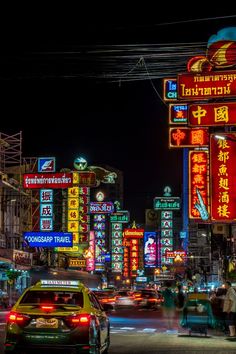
59,285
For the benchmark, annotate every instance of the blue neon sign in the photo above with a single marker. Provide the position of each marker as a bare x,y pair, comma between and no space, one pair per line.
49,239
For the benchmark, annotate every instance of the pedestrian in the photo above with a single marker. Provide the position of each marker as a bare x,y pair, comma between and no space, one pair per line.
180,298
229,308
168,306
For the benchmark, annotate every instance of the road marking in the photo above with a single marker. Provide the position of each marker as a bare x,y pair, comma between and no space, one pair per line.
149,330
127,328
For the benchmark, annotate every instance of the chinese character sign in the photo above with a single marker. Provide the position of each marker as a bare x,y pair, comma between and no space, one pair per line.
198,180
212,114
223,177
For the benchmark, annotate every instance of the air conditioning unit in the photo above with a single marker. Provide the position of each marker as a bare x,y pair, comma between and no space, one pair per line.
220,229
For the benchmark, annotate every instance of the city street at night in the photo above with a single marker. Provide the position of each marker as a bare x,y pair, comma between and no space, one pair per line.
144,331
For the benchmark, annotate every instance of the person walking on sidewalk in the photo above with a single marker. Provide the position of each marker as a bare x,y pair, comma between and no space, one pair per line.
168,306
229,308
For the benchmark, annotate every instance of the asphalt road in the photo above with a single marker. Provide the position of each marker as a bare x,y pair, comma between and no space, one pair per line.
145,332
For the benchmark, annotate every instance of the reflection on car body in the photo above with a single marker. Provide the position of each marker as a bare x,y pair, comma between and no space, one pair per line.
62,315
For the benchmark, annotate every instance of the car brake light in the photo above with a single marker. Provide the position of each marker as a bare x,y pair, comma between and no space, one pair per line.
18,318
76,320
47,308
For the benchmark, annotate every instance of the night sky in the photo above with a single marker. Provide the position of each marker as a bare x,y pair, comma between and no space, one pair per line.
117,123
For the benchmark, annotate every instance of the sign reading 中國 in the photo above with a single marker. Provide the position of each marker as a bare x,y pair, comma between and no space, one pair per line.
49,239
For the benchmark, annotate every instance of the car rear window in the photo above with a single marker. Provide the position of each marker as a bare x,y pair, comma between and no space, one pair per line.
55,297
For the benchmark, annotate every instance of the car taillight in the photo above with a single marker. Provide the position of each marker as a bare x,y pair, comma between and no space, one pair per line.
18,318
78,320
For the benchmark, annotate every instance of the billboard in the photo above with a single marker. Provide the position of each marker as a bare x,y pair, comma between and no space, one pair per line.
150,249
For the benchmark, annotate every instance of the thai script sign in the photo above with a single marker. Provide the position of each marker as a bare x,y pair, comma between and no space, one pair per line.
208,85
170,89
133,233
48,239
187,137
121,216
167,203
47,180
212,114
178,113
101,207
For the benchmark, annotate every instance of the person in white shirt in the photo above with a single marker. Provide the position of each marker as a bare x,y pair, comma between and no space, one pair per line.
229,308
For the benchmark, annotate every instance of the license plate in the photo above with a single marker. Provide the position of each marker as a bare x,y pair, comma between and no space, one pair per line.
46,322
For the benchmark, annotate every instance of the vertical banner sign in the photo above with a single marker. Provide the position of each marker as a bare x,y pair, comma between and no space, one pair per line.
223,177
46,210
90,261
150,249
166,235
117,247
72,218
198,182
84,217
99,226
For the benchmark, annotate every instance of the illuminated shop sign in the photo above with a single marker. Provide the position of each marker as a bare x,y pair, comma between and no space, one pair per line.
101,207
188,137
85,178
169,203
212,114
133,233
150,249
223,177
178,113
208,85
198,183
48,239
122,216
47,180
46,164
170,89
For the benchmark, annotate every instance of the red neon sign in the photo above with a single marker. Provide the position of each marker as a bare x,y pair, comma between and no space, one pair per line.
187,137
205,86
198,179
212,114
223,177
